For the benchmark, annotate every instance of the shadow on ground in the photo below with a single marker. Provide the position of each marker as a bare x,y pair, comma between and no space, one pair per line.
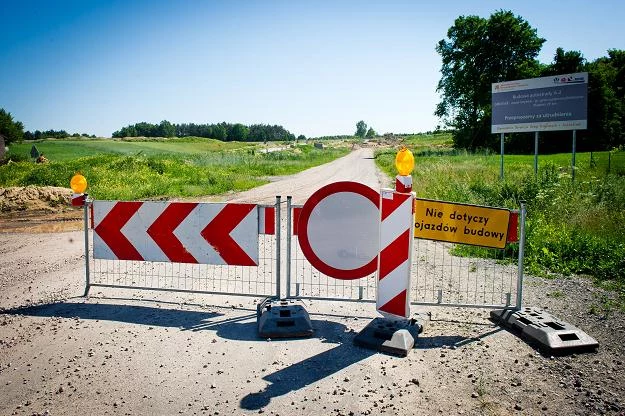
312,369
242,328
238,327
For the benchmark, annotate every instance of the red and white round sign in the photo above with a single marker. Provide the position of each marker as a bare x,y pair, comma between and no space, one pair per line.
338,230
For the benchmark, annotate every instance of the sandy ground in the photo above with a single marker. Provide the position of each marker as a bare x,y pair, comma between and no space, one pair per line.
134,353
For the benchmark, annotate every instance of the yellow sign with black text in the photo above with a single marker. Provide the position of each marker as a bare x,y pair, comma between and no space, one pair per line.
460,223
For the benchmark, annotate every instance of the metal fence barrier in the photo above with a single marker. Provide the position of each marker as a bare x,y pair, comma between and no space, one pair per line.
438,276
441,278
303,281
261,280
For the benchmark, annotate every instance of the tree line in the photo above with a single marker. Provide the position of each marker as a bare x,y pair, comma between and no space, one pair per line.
220,131
53,134
478,52
13,131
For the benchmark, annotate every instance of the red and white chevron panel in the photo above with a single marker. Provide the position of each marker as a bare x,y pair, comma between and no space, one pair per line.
395,259
182,232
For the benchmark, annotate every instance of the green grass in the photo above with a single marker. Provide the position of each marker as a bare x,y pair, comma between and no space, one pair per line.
572,227
126,170
64,150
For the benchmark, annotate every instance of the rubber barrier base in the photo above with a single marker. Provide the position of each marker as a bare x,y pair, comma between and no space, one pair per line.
396,337
282,319
547,331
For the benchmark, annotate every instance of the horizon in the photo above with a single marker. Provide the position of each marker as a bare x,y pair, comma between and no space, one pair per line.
95,67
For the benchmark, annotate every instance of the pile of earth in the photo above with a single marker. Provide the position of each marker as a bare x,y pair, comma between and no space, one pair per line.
38,209
37,198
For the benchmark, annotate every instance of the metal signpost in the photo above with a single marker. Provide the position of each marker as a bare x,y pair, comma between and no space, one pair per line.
540,104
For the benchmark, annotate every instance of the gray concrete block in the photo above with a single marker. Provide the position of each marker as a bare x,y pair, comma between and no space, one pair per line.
392,336
282,319
545,329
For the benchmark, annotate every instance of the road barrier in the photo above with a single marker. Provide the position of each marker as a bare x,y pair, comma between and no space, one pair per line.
184,247
147,246
440,275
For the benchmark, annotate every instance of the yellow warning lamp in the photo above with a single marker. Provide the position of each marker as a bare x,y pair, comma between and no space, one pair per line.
404,162
78,184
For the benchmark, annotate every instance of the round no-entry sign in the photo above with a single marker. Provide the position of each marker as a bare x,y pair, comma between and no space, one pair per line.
338,230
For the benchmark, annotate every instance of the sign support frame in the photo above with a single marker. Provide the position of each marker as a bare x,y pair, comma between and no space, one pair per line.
536,153
573,155
501,166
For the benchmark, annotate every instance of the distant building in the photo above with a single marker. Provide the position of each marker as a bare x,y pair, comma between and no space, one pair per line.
2,148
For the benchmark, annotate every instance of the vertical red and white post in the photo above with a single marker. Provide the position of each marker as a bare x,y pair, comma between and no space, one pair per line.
395,259
396,236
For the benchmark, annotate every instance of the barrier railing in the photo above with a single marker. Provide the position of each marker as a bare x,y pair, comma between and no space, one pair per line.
440,275
262,279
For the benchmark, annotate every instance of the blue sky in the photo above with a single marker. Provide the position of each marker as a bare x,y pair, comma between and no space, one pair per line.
315,67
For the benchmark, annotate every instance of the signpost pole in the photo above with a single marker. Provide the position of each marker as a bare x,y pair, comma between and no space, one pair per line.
288,245
535,153
501,167
86,227
573,159
519,283
278,289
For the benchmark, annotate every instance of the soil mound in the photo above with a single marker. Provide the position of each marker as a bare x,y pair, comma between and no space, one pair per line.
37,198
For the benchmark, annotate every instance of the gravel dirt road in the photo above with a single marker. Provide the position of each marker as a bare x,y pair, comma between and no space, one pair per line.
143,353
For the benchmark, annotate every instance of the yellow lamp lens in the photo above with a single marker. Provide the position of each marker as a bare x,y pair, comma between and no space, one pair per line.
78,184
404,162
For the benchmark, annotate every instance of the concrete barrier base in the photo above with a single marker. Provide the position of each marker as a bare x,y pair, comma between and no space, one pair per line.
544,329
282,319
392,336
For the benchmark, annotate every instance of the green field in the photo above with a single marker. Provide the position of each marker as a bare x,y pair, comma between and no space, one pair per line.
573,227
63,150
140,169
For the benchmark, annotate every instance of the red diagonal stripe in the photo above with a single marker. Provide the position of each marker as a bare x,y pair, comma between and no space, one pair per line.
513,226
270,220
110,232
394,254
389,205
396,306
162,231
217,234
296,212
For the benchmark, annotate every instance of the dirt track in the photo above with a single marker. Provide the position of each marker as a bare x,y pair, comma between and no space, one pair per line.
123,352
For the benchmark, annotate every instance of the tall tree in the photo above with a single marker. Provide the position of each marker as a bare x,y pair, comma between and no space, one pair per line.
166,129
606,100
477,53
371,133
565,62
13,131
238,133
361,129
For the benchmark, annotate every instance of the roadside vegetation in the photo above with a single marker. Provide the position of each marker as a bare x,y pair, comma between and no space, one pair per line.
573,227
140,169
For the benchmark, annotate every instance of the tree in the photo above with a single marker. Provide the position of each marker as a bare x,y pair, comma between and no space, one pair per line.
300,138
361,129
238,133
606,100
166,129
565,62
219,132
478,53
13,131
371,133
